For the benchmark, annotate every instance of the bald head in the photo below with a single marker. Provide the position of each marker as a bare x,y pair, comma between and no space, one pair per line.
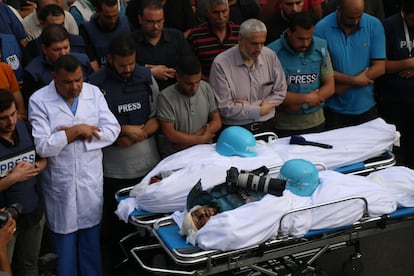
351,5
349,14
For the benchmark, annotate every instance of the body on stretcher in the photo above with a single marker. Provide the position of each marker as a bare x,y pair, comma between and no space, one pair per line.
142,218
281,251
351,146
399,182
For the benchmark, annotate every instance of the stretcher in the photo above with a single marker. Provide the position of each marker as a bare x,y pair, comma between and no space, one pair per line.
282,252
284,255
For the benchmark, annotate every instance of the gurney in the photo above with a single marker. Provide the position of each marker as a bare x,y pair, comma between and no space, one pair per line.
377,157
283,254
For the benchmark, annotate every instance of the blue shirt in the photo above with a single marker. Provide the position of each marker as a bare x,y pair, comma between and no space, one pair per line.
351,55
10,24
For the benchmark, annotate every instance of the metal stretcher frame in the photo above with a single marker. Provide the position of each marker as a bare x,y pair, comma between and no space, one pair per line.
190,260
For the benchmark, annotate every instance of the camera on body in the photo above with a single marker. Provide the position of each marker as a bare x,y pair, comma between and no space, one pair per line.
254,182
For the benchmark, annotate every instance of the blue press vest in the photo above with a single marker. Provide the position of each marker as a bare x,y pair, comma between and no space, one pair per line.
100,40
12,54
25,193
302,70
129,100
77,44
41,71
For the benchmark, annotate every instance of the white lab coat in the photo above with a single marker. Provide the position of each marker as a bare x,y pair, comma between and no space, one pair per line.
72,182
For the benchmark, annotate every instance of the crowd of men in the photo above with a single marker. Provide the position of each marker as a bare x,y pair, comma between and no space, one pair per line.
94,93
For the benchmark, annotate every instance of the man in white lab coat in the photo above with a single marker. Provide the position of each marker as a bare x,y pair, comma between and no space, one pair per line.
71,124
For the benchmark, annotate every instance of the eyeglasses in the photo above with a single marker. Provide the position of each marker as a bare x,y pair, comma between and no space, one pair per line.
154,22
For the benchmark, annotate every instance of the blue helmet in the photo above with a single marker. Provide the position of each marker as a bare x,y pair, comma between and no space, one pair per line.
301,176
235,140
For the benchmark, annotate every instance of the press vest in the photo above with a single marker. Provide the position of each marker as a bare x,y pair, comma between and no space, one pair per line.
100,40
303,70
11,54
41,71
25,193
129,100
85,8
77,44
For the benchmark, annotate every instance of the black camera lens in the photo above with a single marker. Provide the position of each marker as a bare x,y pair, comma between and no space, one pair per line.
253,182
14,210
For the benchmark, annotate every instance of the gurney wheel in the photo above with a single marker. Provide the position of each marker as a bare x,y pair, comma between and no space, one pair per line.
353,266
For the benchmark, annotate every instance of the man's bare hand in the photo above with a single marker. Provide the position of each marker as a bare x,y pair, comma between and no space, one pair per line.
408,73
7,232
161,72
266,107
313,98
81,132
207,135
23,171
362,79
130,134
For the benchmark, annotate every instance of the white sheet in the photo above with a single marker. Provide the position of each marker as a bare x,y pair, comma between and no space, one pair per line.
258,221
350,145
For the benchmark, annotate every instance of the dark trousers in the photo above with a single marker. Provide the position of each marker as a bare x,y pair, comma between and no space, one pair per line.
287,132
401,115
255,128
113,229
335,120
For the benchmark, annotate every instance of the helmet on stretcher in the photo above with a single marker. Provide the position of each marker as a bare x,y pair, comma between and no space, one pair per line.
235,140
301,176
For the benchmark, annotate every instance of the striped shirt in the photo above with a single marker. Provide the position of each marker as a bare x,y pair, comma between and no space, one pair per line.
206,44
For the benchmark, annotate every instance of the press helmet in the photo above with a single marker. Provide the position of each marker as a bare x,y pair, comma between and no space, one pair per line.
235,140
301,176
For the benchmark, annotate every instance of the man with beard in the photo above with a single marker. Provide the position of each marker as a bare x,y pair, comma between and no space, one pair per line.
309,76
356,42
278,22
105,24
214,36
159,48
19,183
187,110
131,93
248,80
396,102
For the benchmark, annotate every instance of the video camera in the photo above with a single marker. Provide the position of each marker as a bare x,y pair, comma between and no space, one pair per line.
14,210
254,182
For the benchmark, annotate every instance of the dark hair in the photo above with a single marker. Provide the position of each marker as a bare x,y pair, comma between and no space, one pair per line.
150,4
302,19
122,45
6,99
53,33
67,62
407,6
189,65
108,3
52,9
